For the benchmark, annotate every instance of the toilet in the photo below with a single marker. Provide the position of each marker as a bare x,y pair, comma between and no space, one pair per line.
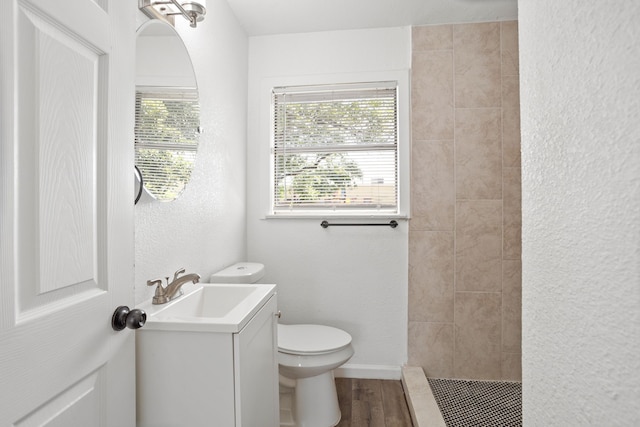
307,356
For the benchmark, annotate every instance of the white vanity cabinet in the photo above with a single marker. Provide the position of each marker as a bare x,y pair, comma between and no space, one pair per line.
204,378
255,351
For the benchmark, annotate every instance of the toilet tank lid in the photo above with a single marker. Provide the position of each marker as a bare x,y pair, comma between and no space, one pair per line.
241,272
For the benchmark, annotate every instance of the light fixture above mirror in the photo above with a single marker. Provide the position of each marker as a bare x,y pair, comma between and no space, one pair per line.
166,9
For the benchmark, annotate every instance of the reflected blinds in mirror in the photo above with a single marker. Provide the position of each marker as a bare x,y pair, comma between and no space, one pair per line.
166,139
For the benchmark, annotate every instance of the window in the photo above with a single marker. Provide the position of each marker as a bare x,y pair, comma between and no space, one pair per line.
166,139
335,149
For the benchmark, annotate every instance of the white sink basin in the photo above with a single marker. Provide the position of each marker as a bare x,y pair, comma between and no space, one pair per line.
209,307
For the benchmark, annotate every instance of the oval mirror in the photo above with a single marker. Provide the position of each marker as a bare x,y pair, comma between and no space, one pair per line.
167,124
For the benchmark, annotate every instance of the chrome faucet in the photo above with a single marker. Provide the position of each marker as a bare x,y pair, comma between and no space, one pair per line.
164,295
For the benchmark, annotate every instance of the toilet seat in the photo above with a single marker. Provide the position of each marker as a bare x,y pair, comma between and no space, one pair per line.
311,339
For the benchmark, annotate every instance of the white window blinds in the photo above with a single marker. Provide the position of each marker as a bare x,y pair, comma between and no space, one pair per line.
335,149
166,139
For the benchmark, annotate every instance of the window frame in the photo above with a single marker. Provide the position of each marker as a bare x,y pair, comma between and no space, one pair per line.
403,140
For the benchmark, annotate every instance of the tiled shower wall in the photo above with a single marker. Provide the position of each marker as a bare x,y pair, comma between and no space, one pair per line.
465,230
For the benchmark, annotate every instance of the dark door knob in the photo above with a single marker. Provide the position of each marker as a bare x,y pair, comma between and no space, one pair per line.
125,318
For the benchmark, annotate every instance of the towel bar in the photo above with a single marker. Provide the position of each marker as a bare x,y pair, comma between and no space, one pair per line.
393,224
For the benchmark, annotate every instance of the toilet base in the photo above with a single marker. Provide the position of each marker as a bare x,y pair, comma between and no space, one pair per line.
315,402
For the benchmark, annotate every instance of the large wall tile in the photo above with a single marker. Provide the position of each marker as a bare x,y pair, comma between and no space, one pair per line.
511,120
433,37
432,95
510,51
431,346
479,245
511,366
432,189
512,236
511,153
466,187
477,65
431,276
477,352
511,306
478,146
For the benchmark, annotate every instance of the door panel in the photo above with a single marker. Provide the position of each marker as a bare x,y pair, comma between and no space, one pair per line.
76,406
66,128
57,159
67,107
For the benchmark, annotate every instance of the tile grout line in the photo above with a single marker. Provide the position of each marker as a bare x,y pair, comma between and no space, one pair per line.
455,196
502,312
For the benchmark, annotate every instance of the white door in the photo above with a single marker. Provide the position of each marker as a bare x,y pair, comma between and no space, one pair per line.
66,206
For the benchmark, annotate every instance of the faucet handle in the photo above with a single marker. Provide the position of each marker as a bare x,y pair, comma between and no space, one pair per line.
160,297
155,282
177,273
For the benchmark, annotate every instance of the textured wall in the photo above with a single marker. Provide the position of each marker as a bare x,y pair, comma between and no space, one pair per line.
464,238
580,79
204,230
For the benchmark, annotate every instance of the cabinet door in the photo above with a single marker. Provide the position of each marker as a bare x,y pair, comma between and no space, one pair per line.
256,373
184,379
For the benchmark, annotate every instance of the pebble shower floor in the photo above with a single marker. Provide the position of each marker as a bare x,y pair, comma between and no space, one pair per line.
465,403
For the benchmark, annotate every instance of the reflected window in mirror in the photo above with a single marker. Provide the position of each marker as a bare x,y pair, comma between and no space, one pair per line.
166,139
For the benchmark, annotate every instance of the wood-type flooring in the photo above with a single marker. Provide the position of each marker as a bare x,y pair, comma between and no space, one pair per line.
372,403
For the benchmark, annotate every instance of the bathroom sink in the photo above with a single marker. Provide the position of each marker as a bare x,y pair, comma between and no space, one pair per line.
209,307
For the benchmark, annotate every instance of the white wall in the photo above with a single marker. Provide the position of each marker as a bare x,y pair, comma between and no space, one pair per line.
204,230
152,67
580,104
351,278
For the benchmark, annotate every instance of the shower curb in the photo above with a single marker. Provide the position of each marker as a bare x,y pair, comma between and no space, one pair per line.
422,404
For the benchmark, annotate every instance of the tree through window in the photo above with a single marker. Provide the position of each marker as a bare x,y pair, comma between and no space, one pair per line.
335,148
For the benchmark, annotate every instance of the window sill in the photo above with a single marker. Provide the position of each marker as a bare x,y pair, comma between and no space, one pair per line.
316,216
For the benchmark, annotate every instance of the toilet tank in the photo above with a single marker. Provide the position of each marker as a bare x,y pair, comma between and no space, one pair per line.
242,272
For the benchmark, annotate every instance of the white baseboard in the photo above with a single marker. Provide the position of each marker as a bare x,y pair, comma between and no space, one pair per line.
378,372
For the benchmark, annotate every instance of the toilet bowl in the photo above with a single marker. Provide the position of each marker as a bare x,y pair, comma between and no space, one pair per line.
307,356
